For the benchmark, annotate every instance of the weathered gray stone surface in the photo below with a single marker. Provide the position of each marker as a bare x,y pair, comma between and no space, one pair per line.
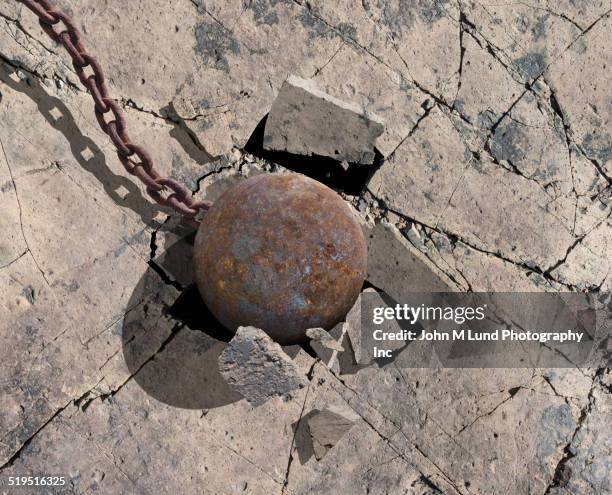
306,121
257,368
497,178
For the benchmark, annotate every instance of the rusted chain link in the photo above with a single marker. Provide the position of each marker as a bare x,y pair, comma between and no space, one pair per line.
177,195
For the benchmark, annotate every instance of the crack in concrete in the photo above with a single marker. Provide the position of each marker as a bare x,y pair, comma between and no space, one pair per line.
340,33
30,438
575,244
209,174
512,392
172,117
82,402
462,50
445,476
532,268
470,28
556,107
445,270
249,461
25,240
153,247
176,329
411,132
398,428
556,393
350,41
494,50
552,12
166,278
585,31
19,25
320,69
15,260
33,71
309,375
570,450
199,4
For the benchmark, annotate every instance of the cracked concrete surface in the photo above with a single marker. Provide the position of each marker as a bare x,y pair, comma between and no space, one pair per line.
497,177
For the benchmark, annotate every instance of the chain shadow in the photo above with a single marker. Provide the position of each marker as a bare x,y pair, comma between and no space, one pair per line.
172,359
84,149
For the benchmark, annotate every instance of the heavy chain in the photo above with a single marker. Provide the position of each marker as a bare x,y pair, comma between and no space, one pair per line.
178,196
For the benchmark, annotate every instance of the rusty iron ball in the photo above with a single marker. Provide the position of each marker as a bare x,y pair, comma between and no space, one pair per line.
281,252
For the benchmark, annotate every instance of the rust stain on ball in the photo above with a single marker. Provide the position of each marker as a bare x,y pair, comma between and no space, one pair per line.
280,252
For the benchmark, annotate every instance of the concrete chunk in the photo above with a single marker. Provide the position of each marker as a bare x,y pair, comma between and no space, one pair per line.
324,338
306,121
257,368
328,345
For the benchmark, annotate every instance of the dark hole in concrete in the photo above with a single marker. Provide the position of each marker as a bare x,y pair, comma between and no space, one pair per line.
328,171
190,309
308,350
368,285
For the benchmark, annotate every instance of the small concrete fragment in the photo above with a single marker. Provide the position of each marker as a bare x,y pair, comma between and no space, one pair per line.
327,355
306,121
324,338
257,368
353,326
327,427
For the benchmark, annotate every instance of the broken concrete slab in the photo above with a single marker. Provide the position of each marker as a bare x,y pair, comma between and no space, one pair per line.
328,426
257,368
306,121
396,267
376,87
434,177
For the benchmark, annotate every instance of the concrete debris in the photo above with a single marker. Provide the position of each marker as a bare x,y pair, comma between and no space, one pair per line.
306,121
324,338
327,355
328,426
257,368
